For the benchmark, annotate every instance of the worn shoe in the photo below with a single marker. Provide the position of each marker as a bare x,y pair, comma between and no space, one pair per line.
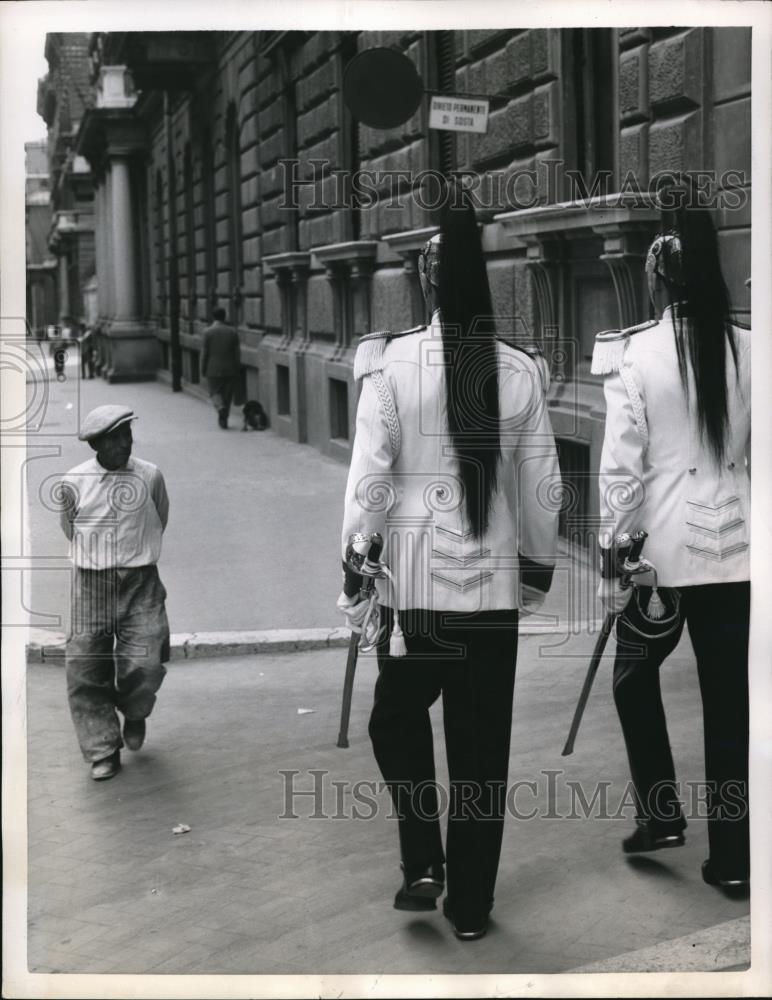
420,889
648,838
106,768
712,876
222,419
463,930
134,733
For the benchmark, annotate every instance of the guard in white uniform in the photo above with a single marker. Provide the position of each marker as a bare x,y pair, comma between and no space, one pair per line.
456,593
674,464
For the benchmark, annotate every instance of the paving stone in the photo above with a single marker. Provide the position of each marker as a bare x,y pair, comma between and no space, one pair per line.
245,891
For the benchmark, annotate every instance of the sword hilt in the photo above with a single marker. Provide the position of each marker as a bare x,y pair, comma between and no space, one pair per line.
637,547
362,563
373,561
631,565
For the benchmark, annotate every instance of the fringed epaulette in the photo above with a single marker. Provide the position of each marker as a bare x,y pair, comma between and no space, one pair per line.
369,355
610,347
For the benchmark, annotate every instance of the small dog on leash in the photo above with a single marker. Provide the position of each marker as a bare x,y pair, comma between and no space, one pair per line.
254,416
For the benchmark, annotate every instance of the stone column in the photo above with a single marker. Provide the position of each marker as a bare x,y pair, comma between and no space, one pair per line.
110,136
300,313
360,276
624,252
335,273
124,252
100,255
417,301
109,267
132,349
64,284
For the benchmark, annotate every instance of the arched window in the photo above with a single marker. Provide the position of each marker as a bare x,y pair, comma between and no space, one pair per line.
233,166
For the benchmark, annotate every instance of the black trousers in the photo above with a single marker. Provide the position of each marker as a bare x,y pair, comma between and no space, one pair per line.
717,616
87,362
470,660
221,392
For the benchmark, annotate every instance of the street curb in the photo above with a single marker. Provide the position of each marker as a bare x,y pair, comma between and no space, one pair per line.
201,645
723,947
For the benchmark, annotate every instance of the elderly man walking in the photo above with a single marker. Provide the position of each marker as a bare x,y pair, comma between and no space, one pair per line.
114,511
221,364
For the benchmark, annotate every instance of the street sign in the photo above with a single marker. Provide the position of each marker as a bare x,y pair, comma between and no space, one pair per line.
458,113
382,88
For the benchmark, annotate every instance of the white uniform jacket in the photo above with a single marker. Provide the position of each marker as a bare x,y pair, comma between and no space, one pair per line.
657,474
403,480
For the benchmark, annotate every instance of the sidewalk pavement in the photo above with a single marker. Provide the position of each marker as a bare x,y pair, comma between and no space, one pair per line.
253,541
113,890
251,553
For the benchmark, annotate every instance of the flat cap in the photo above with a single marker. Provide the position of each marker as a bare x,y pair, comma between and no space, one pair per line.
104,419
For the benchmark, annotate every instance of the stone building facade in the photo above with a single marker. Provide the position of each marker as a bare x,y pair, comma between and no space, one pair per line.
42,268
221,163
63,96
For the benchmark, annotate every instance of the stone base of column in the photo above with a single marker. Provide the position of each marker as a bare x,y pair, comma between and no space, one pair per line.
133,352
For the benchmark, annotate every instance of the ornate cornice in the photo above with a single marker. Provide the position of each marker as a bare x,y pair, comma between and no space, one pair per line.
565,218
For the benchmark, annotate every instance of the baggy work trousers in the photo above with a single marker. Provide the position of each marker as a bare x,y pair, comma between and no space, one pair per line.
118,643
717,616
221,391
470,660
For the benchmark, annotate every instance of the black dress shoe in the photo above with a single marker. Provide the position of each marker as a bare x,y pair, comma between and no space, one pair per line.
725,880
222,419
650,838
420,888
106,768
466,931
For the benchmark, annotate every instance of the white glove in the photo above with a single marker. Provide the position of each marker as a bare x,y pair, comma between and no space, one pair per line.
613,596
531,599
354,609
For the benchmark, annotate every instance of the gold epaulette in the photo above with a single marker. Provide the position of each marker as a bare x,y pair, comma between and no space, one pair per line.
369,355
610,346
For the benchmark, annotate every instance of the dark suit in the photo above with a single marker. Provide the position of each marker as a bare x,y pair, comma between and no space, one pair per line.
221,363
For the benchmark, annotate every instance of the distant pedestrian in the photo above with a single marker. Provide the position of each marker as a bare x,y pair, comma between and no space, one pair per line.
59,347
60,357
86,341
115,510
221,364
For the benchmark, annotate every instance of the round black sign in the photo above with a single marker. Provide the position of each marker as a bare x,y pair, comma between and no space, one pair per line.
382,88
